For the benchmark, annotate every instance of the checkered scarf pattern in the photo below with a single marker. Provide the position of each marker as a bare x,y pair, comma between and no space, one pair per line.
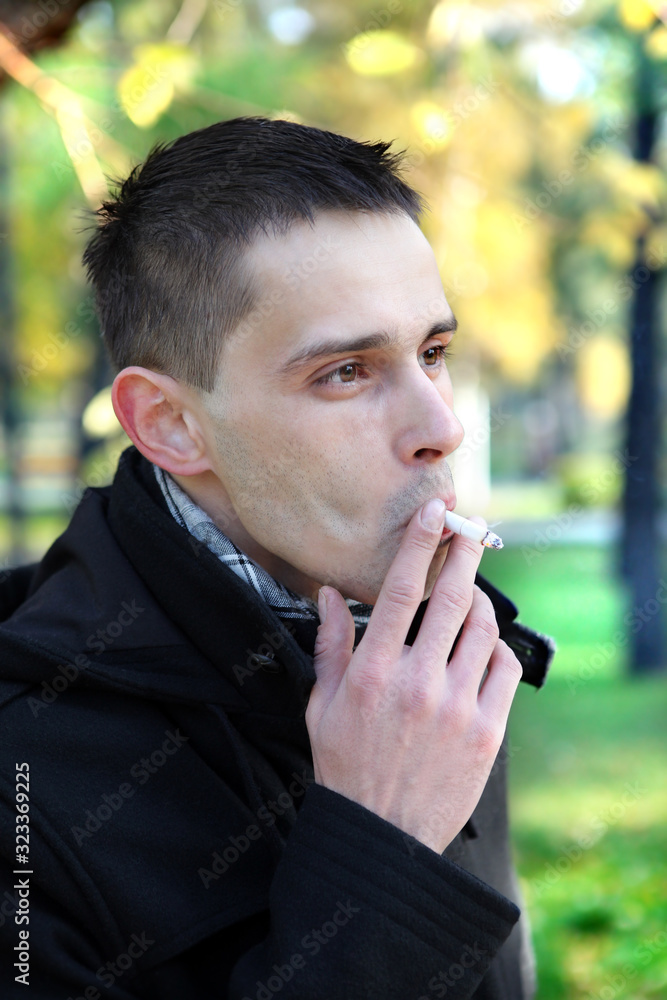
284,602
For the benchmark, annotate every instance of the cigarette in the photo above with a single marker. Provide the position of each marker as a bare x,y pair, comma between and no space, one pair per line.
478,533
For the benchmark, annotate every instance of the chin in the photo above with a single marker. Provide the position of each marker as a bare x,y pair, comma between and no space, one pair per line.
368,591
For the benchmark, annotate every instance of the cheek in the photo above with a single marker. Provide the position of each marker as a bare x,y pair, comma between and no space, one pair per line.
262,465
328,469
446,389
251,437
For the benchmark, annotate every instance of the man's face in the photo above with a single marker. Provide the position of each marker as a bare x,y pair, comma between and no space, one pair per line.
323,460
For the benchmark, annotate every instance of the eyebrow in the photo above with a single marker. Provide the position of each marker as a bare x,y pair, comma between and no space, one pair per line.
368,342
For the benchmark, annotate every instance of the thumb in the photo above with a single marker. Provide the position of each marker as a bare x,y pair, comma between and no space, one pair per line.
335,640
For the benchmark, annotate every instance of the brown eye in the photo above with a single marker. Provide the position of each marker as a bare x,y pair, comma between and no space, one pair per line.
348,374
439,354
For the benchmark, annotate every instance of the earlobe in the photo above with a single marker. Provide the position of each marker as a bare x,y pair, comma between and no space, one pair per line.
159,415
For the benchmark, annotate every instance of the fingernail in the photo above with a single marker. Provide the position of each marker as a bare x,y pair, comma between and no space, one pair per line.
433,514
322,605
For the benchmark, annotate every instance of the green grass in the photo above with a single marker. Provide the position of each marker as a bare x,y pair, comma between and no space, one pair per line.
587,787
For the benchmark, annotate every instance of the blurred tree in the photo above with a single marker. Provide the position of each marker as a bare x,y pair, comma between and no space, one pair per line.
9,404
36,24
641,502
25,26
517,120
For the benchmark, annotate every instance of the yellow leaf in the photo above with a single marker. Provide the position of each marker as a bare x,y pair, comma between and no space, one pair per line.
99,419
481,136
642,182
616,240
381,53
603,374
432,123
144,96
513,325
454,23
655,249
147,89
656,43
637,15
168,59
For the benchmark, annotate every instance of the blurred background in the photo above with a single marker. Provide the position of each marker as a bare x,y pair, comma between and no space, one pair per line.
538,133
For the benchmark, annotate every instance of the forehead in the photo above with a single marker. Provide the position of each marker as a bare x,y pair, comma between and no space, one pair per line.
329,244
346,273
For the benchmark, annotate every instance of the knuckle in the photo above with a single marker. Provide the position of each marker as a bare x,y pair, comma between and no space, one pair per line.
508,660
483,600
323,644
424,538
420,697
403,592
432,647
487,736
485,627
459,599
456,714
367,684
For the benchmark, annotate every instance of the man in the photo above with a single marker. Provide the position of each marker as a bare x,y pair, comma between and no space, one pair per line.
246,682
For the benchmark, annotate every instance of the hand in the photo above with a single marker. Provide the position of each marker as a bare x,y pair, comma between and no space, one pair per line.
397,728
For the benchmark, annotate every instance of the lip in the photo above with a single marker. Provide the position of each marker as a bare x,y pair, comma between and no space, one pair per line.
449,502
447,536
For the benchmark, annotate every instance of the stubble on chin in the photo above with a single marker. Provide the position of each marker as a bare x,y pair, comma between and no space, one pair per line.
367,580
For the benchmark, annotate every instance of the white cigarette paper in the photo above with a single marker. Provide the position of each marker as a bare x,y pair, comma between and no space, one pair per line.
477,532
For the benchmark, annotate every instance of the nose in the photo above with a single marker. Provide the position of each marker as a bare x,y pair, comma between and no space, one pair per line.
429,428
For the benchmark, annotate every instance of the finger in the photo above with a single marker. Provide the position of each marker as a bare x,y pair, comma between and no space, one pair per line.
403,587
451,598
334,642
499,687
479,637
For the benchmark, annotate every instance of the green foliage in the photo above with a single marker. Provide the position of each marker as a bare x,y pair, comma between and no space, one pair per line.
587,787
449,82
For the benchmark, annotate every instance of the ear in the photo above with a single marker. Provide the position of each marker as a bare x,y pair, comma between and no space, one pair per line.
163,418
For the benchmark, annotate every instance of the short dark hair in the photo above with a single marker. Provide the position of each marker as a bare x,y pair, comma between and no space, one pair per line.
166,259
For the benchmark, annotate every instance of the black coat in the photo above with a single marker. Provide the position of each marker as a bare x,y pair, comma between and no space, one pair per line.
179,847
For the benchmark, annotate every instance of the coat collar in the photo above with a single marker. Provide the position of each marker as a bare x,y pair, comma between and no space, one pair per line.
203,634
253,619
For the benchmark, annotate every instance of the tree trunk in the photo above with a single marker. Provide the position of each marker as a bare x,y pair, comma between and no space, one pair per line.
641,541
9,402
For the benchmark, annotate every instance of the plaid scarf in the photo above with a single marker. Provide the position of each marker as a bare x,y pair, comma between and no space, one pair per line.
284,602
